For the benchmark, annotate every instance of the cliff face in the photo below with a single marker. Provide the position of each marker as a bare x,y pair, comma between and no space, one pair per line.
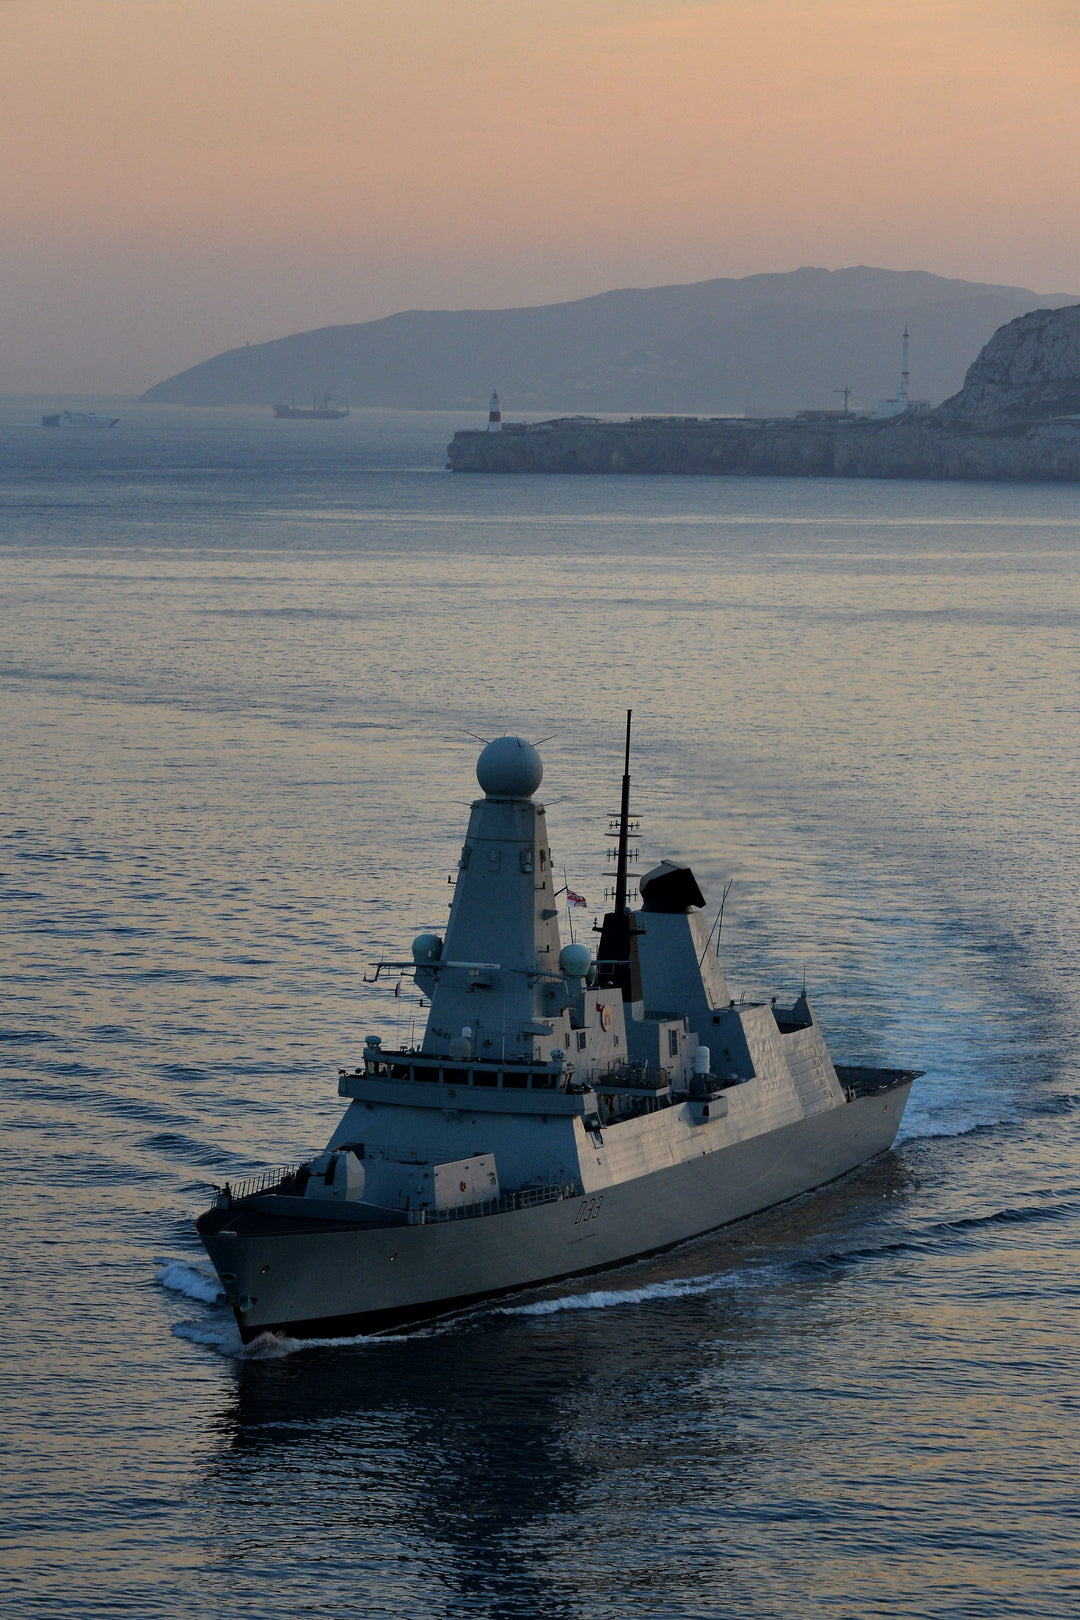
1029,370
1041,451
919,447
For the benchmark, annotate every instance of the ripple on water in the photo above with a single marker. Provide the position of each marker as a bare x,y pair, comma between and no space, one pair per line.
853,698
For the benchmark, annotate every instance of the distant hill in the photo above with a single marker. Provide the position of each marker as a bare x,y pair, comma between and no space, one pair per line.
767,342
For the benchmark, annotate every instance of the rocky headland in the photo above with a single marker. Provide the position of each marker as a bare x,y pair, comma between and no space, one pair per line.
1017,416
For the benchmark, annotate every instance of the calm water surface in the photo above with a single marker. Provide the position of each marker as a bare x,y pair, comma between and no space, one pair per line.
243,667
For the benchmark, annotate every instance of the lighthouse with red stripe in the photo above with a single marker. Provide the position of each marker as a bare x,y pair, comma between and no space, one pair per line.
494,414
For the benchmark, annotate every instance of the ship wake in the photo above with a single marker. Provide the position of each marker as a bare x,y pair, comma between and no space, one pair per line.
223,1337
180,1277
669,1288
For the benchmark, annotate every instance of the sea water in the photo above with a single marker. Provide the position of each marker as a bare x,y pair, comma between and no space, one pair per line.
246,668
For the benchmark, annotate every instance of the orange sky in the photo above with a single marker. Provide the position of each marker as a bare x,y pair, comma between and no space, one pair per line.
180,176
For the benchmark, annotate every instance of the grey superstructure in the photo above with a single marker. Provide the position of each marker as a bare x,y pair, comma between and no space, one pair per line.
562,1113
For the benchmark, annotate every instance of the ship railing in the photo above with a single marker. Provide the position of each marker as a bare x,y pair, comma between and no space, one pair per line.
524,1198
233,1191
632,1077
267,1180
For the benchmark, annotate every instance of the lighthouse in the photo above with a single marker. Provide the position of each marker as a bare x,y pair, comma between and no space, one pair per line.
494,414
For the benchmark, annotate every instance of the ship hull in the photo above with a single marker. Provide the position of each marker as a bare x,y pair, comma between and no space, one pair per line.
329,1279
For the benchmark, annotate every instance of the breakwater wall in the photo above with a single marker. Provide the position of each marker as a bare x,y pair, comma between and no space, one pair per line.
899,447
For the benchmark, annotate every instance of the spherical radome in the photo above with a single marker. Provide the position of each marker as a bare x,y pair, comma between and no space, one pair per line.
509,768
575,961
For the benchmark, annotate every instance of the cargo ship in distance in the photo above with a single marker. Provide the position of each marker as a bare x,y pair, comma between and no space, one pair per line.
78,419
564,1112
321,409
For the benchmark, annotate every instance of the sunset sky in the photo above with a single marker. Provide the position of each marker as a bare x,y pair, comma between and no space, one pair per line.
182,176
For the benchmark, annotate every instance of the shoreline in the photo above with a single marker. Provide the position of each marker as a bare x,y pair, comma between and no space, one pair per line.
914,446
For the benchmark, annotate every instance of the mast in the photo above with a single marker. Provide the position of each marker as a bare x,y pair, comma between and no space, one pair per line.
617,958
622,862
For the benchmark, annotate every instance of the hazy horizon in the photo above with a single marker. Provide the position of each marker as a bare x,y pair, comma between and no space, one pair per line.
191,175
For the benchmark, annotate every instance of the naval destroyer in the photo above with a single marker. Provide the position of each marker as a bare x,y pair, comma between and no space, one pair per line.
565,1111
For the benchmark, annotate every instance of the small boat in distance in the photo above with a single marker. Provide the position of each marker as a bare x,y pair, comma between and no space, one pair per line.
321,409
83,419
565,1110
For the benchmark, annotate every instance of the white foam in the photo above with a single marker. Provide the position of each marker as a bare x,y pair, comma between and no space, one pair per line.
602,1299
181,1278
919,1129
223,1337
